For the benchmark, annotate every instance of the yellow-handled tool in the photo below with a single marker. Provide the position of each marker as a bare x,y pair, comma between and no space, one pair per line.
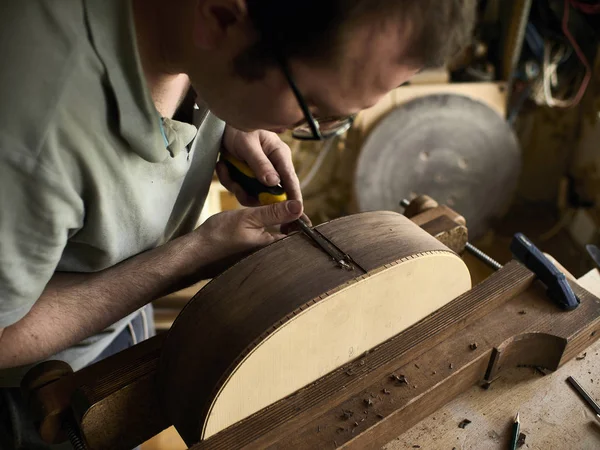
242,174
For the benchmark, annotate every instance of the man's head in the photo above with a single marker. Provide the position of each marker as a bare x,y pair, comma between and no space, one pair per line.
343,55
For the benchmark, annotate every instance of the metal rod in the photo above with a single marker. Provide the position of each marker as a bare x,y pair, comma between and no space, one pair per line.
74,437
486,259
483,257
584,395
332,251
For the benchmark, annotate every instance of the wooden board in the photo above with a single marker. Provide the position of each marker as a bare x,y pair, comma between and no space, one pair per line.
278,296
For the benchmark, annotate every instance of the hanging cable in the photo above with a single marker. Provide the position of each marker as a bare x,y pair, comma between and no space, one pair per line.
550,66
582,58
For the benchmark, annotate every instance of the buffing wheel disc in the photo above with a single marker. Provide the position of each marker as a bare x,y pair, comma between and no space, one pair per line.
450,147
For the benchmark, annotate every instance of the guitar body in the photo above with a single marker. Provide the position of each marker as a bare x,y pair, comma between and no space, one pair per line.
287,315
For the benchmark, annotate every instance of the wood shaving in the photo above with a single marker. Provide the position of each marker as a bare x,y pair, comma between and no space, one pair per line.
346,414
464,423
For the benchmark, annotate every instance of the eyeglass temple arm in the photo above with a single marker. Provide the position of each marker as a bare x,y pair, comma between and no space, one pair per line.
312,122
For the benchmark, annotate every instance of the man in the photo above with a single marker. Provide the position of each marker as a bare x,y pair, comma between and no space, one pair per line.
101,189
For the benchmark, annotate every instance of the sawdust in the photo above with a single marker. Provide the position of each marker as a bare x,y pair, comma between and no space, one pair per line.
347,413
494,436
401,379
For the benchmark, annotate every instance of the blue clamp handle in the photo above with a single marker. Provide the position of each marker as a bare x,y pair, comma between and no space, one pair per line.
559,289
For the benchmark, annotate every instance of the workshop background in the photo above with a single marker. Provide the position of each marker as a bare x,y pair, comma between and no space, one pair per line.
507,135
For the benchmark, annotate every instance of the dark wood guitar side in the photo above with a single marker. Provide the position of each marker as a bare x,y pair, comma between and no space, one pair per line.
237,310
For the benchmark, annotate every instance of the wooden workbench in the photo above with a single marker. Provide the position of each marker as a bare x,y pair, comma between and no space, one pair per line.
553,416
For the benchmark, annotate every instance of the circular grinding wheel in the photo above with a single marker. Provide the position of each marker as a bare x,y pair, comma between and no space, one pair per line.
453,148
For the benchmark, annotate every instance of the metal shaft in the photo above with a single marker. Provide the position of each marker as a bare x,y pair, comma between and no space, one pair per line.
483,257
584,395
469,247
337,255
74,437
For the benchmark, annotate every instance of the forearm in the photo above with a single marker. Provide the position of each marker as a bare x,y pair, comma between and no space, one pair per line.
75,306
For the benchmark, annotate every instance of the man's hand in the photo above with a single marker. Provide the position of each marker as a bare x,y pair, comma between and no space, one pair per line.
228,236
57,320
269,158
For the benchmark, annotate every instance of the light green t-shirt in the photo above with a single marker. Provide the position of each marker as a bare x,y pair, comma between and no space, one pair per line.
90,174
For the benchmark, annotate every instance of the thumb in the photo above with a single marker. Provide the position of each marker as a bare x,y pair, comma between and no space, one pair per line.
277,214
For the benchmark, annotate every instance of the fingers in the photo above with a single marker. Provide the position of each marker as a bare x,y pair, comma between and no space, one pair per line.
288,228
306,219
254,155
277,236
280,156
242,197
272,215
267,155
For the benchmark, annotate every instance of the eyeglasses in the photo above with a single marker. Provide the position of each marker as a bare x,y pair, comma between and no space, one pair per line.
312,129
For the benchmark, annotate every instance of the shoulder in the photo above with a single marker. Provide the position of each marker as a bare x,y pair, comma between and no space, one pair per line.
41,42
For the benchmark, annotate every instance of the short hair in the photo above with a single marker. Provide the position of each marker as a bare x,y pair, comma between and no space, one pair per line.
314,29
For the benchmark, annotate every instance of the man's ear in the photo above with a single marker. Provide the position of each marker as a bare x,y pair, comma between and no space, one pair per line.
214,19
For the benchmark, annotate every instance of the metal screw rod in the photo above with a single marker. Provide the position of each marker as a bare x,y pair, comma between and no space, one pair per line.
469,247
74,437
483,257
